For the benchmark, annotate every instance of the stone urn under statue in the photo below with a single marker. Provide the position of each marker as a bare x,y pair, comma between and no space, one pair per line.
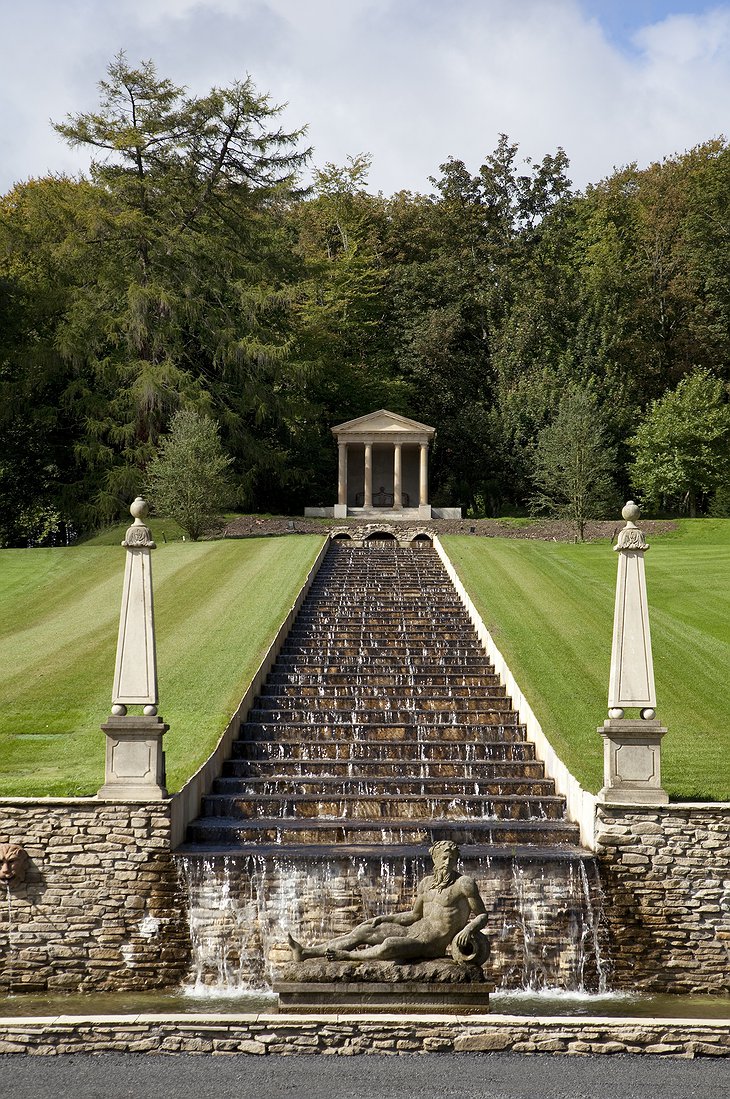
428,957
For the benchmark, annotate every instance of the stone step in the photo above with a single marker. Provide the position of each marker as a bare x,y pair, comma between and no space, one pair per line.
330,786
413,734
357,664
326,805
368,769
380,613
394,647
233,833
281,745
499,713
396,637
393,679
370,707
385,593
372,694
478,854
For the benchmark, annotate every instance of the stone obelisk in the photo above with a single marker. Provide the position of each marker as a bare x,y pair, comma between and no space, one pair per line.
632,745
135,761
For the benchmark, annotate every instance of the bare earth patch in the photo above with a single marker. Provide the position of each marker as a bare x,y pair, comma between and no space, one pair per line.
545,530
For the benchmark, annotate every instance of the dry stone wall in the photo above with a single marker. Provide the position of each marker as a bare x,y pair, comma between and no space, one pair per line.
349,1035
100,907
666,878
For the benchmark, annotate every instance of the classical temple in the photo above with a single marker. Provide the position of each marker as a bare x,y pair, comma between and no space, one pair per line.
383,469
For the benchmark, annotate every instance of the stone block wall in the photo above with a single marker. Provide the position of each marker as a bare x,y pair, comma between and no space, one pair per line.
666,880
100,907
345,1036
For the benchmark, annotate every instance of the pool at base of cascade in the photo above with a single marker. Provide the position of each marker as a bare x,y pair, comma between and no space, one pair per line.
207,1001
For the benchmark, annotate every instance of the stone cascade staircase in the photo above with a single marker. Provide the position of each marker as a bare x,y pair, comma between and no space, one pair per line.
382,723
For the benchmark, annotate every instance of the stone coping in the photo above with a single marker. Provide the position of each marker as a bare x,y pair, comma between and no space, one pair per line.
90,802
671,807
324,1018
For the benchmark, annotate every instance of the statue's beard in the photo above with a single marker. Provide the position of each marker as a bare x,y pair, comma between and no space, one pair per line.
443,876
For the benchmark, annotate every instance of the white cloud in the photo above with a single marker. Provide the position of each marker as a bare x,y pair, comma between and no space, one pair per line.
411,81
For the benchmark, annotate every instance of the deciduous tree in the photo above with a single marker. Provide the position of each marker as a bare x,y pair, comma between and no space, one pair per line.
682,447
188,480
574,462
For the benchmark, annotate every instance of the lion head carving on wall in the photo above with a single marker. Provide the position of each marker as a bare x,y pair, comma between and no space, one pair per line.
13,864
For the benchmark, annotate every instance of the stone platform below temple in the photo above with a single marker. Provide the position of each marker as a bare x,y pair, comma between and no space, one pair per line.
347,987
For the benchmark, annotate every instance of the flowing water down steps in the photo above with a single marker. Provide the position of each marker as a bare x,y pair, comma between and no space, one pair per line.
382,727
382,722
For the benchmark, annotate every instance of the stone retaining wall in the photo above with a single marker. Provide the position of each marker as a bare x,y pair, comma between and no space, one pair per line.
666,879
348,1035
101,907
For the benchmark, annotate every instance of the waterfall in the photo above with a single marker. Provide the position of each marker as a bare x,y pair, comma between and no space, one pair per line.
381,728
544,927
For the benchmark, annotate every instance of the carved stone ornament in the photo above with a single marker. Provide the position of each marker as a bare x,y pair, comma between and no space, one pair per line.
631,538
139,536
447,919
13,864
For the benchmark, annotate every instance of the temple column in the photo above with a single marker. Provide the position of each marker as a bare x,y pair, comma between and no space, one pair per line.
423,478
368,501
397,494
342,474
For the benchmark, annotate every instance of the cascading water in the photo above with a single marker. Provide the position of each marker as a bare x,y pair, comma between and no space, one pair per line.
544,928
382,728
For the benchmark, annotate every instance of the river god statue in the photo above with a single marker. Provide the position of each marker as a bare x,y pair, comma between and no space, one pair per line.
446,919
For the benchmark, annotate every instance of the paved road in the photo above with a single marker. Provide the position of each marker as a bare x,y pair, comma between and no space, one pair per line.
433,1076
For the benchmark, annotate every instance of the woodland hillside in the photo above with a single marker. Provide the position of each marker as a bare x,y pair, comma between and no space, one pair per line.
192,268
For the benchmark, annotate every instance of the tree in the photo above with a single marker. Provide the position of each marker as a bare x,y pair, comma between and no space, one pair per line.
682,448
460,260
574,462
183,299
187,481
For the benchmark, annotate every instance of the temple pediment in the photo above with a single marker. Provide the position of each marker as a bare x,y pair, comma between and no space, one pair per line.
382,468
384,423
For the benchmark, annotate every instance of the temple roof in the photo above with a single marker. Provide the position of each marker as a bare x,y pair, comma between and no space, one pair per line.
384,422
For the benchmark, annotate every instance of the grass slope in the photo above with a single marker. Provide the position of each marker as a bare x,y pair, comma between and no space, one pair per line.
217,606
549,607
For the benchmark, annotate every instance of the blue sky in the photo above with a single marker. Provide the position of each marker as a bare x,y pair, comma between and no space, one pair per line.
620,19
409,81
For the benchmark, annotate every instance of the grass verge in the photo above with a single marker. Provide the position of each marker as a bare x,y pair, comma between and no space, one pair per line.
549,607
217,606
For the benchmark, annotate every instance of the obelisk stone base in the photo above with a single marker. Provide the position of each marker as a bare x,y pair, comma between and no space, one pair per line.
632,762
135,761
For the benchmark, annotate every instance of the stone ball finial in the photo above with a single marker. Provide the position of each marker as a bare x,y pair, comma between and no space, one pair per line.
631,511
139,509
139,535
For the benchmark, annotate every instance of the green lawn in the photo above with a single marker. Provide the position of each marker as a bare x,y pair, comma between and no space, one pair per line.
549,607
217,606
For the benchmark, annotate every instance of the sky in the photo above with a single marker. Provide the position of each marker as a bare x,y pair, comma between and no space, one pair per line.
411,82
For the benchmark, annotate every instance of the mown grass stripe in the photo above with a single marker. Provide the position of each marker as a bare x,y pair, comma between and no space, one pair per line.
217,604
550,609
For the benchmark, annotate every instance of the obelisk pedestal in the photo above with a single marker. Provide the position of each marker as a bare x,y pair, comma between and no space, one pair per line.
632,746
135,761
